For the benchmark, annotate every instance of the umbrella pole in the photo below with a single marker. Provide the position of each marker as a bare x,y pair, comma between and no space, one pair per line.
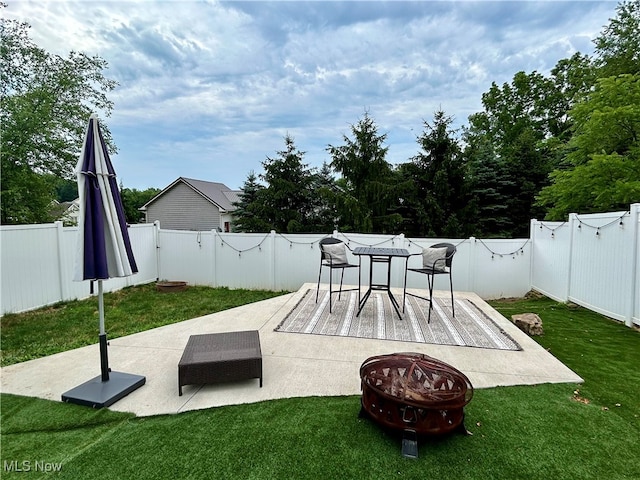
104,359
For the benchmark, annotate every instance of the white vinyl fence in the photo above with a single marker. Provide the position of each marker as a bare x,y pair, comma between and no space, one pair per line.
37,264
492,268
591,260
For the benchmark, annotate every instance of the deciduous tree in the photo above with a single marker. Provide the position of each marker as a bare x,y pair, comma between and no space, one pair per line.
605,156
45,103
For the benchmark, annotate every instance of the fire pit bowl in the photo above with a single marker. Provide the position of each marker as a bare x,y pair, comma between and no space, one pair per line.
415,393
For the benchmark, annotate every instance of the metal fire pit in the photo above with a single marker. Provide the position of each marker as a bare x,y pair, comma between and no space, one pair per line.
414,394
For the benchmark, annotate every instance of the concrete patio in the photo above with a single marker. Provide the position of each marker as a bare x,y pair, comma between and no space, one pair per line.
294,365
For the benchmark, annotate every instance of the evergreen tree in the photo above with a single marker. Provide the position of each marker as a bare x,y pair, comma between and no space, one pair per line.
489,184
288,195
249,213
323,215
368,194
440,179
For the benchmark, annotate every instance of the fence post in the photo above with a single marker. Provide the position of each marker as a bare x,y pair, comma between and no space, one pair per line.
156,236
272,234
572,220
214,257
532,236
472,261
213,278
64,290
633,287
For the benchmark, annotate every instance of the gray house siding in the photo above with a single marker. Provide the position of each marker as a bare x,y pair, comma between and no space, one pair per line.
169,209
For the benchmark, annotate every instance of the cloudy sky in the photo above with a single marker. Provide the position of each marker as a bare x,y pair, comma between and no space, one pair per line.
209,89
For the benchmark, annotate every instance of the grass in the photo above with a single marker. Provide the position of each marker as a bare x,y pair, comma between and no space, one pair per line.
560,431
69,325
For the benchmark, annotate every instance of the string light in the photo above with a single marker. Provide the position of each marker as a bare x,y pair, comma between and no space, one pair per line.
619,221
517,251
513,254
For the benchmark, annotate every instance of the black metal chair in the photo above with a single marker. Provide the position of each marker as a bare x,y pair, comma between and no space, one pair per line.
333,254
436,260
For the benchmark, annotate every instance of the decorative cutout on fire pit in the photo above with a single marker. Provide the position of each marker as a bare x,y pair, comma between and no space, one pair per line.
412,392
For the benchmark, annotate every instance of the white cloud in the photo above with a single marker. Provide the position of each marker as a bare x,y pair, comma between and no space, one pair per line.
209,89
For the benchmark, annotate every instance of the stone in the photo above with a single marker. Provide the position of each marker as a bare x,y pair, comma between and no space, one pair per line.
530,323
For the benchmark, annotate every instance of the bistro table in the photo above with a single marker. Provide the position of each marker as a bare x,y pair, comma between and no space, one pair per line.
379,255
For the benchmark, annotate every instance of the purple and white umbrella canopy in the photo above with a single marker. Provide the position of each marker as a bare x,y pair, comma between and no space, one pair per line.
103,251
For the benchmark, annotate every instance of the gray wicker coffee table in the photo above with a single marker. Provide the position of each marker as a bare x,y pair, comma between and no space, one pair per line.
220,357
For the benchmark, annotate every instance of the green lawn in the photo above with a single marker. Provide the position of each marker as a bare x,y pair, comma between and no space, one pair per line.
69,325
564,431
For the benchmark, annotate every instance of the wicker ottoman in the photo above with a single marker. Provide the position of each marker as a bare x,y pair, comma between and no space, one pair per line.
220,357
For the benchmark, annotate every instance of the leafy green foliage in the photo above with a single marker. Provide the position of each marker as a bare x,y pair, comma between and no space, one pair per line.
605,152
133,199
618,46
45,104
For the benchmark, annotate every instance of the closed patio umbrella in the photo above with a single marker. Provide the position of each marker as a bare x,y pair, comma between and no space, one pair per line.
103,251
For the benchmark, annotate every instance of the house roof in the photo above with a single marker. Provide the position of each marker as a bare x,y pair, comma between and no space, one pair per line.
217,193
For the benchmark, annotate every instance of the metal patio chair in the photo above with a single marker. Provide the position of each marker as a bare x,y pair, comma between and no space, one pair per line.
333,255
436,260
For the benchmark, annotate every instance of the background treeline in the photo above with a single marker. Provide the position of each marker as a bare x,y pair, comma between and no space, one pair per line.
543,146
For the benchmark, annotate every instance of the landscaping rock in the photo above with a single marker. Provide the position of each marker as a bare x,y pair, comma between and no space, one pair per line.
530,323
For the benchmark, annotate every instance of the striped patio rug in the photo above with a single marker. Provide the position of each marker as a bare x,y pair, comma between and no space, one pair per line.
470,327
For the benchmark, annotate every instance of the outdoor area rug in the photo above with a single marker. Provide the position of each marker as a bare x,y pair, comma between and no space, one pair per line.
470,327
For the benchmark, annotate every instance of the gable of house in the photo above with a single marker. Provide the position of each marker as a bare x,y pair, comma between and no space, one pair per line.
189,204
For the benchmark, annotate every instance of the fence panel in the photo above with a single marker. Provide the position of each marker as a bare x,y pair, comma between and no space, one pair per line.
186,256
550,258
244,260
37,265
297,260
603,263
26,282
492,268
593,260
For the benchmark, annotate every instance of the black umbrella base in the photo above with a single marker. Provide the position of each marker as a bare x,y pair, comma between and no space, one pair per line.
97,393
